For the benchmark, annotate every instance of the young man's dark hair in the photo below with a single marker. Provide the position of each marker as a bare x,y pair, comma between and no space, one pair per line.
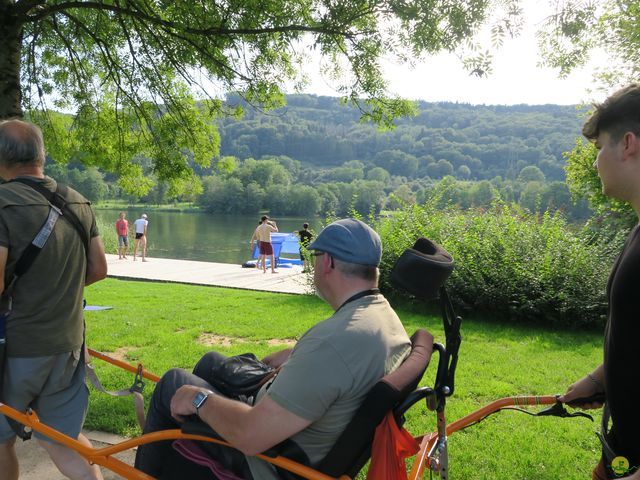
618,114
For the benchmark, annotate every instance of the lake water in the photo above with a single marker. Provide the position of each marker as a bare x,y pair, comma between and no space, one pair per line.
200,236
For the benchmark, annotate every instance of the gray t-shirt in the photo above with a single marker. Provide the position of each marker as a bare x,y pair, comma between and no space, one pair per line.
331,370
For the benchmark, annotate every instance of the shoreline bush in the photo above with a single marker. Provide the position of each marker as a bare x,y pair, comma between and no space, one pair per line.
510,265
108,235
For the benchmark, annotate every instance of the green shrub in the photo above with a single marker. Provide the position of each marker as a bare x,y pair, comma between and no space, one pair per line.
509,264
108,234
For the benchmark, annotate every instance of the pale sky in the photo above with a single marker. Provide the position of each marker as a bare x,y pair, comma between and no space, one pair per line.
515,79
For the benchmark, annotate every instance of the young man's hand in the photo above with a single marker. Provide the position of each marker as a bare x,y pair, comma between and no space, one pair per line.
584,388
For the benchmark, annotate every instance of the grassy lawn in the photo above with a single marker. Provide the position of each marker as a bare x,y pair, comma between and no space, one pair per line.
162,326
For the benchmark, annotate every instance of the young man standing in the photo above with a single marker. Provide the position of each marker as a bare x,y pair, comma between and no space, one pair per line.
614,127
305,239
141,236
122,229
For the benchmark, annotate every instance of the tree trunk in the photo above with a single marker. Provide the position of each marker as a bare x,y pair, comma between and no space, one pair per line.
11,43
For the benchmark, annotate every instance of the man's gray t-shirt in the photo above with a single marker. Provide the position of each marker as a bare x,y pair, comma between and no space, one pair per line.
330,371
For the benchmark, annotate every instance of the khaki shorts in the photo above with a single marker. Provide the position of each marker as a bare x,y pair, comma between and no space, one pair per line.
52,386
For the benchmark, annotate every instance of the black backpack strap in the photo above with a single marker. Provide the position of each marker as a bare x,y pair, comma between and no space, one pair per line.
33,249
57,199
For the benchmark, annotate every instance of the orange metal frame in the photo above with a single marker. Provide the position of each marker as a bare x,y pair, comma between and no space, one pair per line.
105,456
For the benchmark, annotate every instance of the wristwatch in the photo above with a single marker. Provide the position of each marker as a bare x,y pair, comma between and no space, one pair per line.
199,400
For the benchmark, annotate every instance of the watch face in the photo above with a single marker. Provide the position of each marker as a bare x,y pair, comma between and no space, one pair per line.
199,399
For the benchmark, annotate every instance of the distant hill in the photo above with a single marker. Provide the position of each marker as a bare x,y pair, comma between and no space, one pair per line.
469,141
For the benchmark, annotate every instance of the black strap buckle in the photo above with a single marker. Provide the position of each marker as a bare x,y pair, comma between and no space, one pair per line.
19,429
138,381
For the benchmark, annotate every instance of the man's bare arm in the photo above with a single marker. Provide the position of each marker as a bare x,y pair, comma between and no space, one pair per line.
96,262
250,429
586,387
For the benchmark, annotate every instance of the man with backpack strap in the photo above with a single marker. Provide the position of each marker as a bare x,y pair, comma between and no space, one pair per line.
44,366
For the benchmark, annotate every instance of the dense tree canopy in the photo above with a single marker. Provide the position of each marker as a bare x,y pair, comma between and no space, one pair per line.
470,142
315,183
578,28
137,75
568,40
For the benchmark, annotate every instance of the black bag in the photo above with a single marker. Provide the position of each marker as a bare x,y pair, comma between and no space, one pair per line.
234,377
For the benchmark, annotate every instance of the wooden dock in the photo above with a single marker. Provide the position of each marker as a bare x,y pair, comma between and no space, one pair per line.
286,280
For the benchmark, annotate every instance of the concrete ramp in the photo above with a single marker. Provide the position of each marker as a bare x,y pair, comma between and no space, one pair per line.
285,280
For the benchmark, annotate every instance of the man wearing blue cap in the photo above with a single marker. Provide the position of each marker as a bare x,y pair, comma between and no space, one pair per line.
321,382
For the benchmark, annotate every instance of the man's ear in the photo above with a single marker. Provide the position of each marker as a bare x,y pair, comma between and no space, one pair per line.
631,143
327,261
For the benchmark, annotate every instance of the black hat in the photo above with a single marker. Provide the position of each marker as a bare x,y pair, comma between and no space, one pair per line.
423,269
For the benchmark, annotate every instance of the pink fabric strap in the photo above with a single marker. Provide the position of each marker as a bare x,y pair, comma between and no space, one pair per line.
192,451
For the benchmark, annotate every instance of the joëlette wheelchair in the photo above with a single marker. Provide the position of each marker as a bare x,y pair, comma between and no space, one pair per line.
422,272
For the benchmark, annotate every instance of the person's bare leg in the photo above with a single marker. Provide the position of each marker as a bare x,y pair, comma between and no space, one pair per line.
10,469
135,248
273,264
264,263
70,463
144,248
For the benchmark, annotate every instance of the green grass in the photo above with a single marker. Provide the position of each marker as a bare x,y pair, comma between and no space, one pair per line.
159,324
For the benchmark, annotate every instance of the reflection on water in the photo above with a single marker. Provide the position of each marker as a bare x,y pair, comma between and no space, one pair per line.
199,236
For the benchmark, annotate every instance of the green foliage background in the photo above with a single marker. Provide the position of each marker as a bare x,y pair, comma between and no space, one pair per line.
314,157
510,265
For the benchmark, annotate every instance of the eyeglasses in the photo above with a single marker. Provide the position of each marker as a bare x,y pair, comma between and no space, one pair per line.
318,254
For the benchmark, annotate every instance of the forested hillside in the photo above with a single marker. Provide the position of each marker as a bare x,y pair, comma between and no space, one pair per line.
314,157
467,141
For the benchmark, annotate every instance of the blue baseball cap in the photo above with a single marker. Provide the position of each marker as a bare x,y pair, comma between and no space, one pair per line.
351,241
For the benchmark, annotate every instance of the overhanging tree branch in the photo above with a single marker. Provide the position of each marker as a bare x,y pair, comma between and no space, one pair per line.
214,30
